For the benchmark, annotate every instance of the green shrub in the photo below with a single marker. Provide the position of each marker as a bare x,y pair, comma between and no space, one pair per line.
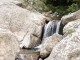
72,8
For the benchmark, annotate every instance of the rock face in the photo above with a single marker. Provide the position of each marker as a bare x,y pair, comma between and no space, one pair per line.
69,47
22,23
71,27
48,44
70,17
51,16
8,45
18,26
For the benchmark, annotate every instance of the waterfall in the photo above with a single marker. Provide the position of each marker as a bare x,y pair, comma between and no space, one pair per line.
58,27
49,29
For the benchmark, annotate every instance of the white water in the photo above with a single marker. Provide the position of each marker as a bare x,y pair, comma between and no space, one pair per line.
22,57
49,29
58,27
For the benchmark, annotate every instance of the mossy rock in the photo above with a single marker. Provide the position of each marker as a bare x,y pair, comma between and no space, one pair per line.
70,31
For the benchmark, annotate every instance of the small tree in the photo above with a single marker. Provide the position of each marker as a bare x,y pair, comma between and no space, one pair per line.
77,2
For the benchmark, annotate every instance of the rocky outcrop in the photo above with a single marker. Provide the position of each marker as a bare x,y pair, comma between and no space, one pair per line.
70,17
48,44
69,47
21,23
51,16
9,45
71,27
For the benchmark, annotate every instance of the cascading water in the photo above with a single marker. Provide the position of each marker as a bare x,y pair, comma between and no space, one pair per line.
58,27
49,29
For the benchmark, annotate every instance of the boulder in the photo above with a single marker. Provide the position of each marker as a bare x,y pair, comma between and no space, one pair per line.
48,44
70,17
22,22
68,48
71,27
17,2
30,41
9,45
51,16
67,18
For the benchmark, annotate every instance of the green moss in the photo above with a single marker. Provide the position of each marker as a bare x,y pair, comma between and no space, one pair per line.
70,31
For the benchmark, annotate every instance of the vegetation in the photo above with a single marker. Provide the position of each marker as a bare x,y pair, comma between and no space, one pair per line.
70,31
62,6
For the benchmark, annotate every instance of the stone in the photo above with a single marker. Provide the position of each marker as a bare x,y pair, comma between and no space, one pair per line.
33,56
30,41
48,44
70,17
68,48
67,18
71,27
9,45
17,2
22,22
51,16
28,54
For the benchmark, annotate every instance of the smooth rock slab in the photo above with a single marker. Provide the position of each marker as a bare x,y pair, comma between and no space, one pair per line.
70,17
48,44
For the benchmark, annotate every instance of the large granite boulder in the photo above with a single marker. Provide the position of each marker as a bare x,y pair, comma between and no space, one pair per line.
70,17
71,27
9,45
51,16
48,44
24,24
69,47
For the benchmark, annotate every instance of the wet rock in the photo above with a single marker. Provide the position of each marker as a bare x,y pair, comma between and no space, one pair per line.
27,54
48,44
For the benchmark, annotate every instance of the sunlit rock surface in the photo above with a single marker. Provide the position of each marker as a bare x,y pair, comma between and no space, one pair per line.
71,27
70,17
48,44
9,45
